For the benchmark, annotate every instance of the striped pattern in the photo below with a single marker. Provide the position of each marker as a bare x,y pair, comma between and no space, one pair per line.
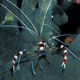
60,46
65,55
65,58
16,57
41,45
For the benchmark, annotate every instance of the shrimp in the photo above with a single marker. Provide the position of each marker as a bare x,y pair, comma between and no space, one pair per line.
43,48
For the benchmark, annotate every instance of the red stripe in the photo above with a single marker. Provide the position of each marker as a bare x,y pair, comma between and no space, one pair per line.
41,45
17,55
13,64
14,59
24,52
64,61
65,54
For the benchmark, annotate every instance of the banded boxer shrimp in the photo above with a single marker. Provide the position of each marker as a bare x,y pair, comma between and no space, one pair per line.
43,48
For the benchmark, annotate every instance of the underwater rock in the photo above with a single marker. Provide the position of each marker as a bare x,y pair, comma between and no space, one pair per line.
65,4
75,47
60,17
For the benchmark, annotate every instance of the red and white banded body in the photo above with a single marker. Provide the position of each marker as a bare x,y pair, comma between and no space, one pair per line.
42,45
16,57
65,55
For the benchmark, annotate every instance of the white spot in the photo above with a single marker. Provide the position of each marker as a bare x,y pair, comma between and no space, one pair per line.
40,42
52,16
65,51
21,52
65,57
14,62
15,57
61,46
41,48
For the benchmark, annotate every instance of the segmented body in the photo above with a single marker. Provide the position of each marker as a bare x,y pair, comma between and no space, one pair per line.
41,47
17,58
65,55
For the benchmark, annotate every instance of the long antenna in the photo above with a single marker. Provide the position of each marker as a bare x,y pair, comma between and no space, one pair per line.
13,26
63,35
52,29
24,15
61,41
73,54
32,32
45,17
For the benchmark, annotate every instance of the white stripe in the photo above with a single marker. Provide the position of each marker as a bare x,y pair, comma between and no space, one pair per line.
14,62
21,52
65,51
65,57
13,68
41,48
63,65
41,42
61,46
15,57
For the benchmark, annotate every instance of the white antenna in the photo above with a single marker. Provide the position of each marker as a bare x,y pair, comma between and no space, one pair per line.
63,35
73,54
45,17
52,28
24,15
32,32
13,26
